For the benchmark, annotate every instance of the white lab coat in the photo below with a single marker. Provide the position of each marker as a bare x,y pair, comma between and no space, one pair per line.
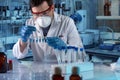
61,26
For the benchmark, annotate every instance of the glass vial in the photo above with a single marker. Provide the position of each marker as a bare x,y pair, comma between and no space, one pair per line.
57,74
107,8
75,74
10,65
82,54
3,62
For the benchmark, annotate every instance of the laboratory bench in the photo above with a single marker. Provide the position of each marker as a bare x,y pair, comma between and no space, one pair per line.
114,54
30,70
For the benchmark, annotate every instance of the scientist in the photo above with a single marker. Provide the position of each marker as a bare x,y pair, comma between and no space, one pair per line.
59,31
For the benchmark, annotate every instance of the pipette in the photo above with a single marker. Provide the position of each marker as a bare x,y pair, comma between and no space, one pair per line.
38,39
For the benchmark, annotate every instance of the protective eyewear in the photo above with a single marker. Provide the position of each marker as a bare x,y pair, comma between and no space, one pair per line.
42,12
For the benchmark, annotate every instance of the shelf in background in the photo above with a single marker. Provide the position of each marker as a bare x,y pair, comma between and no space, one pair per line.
108,17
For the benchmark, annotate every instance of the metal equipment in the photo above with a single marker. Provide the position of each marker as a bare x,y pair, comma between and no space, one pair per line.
82,25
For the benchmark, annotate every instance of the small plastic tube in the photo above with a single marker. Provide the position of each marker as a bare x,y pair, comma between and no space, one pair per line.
82,54
63,54
60,55
10,65
75,52
69,53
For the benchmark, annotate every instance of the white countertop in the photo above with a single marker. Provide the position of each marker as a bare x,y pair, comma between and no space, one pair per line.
28,70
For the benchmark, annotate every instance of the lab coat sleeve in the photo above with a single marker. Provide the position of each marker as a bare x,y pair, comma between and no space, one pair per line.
74,38
16,51
73,35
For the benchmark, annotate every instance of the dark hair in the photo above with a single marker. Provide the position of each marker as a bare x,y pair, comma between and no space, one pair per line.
34,3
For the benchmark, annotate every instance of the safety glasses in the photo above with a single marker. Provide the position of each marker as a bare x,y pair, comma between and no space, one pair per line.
42,12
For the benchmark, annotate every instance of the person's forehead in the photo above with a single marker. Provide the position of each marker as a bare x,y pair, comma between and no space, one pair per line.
41,7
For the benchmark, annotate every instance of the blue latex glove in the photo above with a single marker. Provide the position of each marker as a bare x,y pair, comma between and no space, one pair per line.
56,42
76,17
26,31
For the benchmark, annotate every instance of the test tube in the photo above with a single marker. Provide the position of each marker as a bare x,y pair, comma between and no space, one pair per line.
69,53
58,55
75,52
63,54
37,40
81,50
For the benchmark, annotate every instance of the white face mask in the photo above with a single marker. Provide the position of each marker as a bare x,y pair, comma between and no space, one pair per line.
43,21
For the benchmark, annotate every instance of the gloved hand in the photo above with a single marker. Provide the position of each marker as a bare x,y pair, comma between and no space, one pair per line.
56,42
26,31
76,17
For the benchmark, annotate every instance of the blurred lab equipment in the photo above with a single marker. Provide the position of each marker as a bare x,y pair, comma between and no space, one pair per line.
3,62
110,45
64,7
107,8
68,7
26,31
87,38
118,61
106,44
76,17
117,47
96,35
104,29
80,19
82,25
115,8
116,65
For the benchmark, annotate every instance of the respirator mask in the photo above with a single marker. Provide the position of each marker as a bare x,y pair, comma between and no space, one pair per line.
43,21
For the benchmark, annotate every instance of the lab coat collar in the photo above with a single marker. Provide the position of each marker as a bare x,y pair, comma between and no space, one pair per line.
56,17
55,23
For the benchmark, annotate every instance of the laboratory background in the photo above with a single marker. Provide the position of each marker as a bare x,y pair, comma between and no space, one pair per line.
98,23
